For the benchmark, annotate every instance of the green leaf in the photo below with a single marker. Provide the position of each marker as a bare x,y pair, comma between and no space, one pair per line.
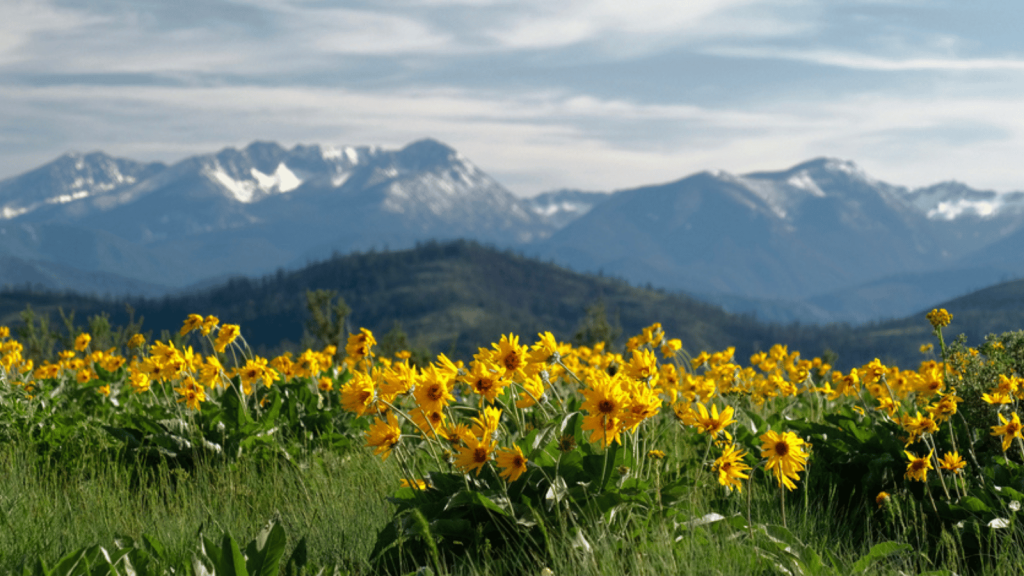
974,504
270,544
154,546
297,561
878,552
452,528
70,565
474,498
211,551
231,563
38,569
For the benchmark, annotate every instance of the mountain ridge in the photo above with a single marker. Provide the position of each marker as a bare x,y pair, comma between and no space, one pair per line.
819,241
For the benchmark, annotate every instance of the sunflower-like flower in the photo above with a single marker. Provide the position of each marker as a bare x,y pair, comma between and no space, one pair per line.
918,467
307,365
533,390
918,425
485,425
509,355
192,322
731,468
433,393
485,379
605,403
642,366
511,462
952,462
474,455
431,424
714,423
191,393
226,335
644,403
996,397
1009,430
670,347
358,394
544,350
82,341
945,407
256,369
785,454
358,346
383,435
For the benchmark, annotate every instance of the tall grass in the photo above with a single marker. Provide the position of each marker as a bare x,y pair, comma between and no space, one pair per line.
336,501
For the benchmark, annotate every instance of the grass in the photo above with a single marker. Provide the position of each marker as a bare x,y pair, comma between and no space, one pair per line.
336,502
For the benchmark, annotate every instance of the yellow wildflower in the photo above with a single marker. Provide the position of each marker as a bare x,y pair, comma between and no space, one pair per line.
918,467
1009,430
785,454
511,462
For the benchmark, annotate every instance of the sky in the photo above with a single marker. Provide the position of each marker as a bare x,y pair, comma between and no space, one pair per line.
541,95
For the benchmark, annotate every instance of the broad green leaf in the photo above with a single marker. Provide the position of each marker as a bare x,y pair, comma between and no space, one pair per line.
71,565
474,498
297,561
231,563
878,552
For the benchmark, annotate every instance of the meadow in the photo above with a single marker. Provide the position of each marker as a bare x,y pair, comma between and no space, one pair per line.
192,454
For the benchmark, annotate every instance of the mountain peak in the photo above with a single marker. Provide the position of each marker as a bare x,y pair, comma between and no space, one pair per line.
426,154
829,162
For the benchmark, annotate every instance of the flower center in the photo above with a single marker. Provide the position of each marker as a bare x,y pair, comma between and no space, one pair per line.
782,449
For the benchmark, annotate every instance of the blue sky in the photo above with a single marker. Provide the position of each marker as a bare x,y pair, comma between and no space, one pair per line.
591,94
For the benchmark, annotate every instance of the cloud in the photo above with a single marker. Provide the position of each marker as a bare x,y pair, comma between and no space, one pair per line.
714,84
630,27
21,21
537,140
861,61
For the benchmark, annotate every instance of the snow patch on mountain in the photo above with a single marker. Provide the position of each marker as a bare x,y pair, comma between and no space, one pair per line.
65,198
281,181
953,209
773,195
240,190
7,213
803,181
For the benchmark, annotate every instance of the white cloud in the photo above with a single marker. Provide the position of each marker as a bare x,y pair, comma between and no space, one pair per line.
541,24
23,20
542,140
366,32
861,61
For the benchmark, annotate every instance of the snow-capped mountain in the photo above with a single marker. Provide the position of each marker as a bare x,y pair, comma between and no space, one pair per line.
253,210
810,235
560,207
68,179
819,241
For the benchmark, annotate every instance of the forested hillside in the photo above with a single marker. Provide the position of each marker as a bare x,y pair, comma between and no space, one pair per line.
448,297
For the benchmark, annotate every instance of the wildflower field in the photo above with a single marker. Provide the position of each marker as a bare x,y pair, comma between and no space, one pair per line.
195,455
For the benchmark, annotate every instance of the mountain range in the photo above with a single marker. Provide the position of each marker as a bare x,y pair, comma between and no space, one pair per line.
819,242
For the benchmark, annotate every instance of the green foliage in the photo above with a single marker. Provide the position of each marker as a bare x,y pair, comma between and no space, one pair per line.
148,557
40,337
326,322
595,327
